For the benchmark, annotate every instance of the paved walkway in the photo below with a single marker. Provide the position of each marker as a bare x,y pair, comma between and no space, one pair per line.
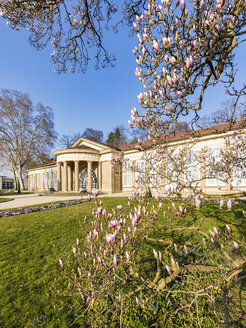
23,200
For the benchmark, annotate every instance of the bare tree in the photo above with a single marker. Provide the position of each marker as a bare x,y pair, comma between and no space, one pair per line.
67,140
26,130
230,112
93,135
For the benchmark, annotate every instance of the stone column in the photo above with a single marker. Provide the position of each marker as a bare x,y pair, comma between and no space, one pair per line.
65,177
76,176
89,170
69,176
99,178
202,170
47,179
58,176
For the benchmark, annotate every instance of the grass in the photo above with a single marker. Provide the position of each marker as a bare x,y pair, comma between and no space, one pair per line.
29,250
4,200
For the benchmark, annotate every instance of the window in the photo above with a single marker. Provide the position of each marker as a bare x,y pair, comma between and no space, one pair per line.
140,173
50,179
192,169
55,180
155,173
214,175
127,174
34,182
41,179
172,168
45,181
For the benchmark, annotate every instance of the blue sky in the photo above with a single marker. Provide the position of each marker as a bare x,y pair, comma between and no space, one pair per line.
98,99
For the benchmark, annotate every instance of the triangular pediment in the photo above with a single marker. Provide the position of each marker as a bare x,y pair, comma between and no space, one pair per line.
82,143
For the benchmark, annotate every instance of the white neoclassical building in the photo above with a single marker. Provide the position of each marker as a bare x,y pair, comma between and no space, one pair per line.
87,165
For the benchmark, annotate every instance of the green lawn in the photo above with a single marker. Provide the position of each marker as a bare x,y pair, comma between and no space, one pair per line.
30,246
4,200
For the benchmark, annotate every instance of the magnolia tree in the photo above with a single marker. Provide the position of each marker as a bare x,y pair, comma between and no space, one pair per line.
184,47
154,263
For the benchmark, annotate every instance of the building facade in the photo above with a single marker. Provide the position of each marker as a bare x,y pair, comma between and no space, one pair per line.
87,165
6,183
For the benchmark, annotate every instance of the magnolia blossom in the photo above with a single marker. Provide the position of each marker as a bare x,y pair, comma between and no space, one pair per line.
61,263
168,269
95,192
235,245
212,233
229,204
115,262
198,204
77,242
182,5
119,207
113,223
127,257
221,203
228,228
74,250
216,231
155,254
99,260
110,238
155,45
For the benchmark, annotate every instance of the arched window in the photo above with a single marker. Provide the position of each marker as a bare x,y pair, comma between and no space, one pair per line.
83,180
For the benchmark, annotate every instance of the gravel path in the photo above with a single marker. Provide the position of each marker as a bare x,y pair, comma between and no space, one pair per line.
34,199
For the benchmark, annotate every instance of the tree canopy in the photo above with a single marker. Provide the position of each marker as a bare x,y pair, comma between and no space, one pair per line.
26,130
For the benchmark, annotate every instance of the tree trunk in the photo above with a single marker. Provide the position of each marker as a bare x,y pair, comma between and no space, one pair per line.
15,180
21,181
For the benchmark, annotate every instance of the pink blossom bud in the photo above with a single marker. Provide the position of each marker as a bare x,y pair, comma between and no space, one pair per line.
130,124
137,300
79,271
119,207
229,205
185,249
99,260
228,228
202,3
221,203
160,255
212,240
212,233
219,28
211,44
181,210
216,231
198,204
235,245
155,45
204,241
60,263
129,230
74,250
168,269
115,262
175,247
127,257
182,4
77,242
155,254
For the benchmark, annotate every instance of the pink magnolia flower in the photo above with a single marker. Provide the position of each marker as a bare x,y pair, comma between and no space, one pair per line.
212,240
168,269
61,263
228,228
155,254
127,257
182,4
221,204
119,207
198,204
110,238
130,124
185,249
129,230
181,210
113,223
155,45
204,241
216,231
74,250
229,204
160,255
244,213
99,260
95,233
115,262
77,242
235,245
212,233
95,192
